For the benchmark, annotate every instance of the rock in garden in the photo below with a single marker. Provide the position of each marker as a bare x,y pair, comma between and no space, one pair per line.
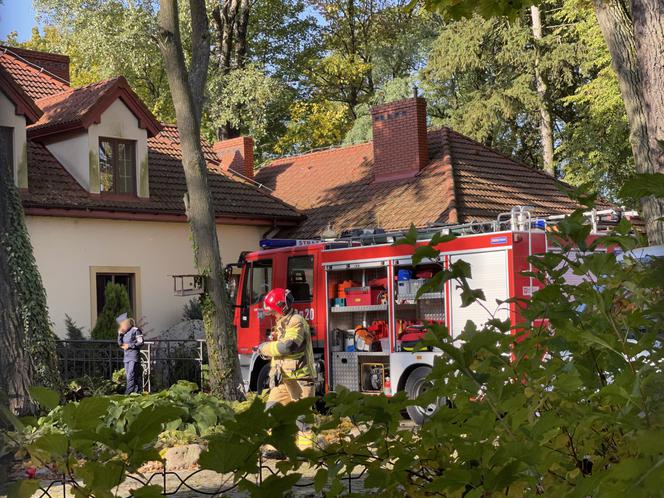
183,457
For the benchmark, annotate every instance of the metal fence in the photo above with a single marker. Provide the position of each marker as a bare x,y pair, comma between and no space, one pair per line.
163,362
173,483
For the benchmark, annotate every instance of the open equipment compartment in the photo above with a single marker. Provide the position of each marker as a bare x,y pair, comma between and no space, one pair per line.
412,312
358,325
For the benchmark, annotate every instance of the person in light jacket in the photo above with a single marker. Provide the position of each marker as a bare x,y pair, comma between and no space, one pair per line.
130,339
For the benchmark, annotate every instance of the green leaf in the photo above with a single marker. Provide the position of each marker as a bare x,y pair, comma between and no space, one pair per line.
47,398
643,185
48,447
410,238
320,480
152,491
274,485
86,414
23,489
424,252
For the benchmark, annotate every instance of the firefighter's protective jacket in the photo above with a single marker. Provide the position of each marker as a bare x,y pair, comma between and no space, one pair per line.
292,352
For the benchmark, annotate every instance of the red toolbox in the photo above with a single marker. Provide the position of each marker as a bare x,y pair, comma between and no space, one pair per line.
362,296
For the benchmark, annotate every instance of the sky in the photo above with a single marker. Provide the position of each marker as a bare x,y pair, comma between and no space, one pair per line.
16,15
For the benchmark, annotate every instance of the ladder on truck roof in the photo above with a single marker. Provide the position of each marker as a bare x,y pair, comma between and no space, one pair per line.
518,219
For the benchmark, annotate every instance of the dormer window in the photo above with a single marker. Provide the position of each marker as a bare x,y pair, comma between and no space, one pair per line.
117,166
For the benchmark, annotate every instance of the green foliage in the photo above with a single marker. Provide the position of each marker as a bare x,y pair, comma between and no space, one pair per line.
86,386
314,125
643,185
192,310
74,332
568,403
26,282
116,302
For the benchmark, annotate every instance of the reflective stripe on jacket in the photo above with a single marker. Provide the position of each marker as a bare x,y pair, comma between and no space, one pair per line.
292,351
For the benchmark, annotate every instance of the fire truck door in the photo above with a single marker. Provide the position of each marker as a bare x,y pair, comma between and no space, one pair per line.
253,322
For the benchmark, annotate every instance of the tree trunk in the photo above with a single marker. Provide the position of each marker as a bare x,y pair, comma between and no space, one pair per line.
648,22
188,90
546,122
615,22
240,36
230,22
17,371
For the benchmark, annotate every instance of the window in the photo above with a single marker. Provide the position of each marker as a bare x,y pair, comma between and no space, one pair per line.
261,280
7,149
301,277
117,166
127,280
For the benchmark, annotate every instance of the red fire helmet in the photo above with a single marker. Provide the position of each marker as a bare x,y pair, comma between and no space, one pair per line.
279,300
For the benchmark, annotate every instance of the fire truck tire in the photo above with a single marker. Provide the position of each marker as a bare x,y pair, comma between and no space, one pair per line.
416,384
263,378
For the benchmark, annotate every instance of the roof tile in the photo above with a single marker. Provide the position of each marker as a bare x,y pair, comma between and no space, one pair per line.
35,84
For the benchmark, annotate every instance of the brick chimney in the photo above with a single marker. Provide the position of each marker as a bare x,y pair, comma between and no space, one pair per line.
399,139
54,63
236,154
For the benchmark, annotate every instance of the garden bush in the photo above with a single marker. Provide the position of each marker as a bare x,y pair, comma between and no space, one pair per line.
116,302
570,403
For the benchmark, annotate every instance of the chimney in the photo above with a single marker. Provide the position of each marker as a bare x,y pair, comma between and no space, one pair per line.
237,155
54,63
400,139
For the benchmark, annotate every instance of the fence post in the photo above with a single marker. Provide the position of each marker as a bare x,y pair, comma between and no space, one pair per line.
110,362
200,361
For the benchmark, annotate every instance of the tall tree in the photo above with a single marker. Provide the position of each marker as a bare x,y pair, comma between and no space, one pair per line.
187,85
546,121
27,341
107,38
635,39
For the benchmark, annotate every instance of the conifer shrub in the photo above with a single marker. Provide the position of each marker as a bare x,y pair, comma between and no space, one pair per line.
116,302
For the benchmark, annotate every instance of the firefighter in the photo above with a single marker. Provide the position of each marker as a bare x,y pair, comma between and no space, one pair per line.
292,368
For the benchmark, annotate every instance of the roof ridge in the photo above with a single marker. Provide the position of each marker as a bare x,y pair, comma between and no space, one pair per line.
269,162
34,67
72,89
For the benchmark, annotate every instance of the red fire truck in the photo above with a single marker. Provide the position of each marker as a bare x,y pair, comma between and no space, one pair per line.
359,295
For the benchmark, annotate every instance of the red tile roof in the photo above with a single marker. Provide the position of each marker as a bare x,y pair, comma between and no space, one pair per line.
53,190
23,104
80,107
463,181
35,83
51,187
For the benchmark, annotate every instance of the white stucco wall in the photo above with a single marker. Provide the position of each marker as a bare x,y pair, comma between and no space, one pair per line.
66,248
9,118
72,153
79,154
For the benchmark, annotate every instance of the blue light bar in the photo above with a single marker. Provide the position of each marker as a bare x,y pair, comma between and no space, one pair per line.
278,243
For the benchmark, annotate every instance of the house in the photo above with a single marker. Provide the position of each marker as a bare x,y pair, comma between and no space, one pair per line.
407,174
102,186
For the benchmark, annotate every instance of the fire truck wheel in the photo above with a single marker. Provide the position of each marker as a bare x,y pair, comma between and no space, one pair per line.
263,378
416,384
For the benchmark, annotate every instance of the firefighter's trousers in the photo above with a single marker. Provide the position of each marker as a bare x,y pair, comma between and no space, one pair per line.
290,390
